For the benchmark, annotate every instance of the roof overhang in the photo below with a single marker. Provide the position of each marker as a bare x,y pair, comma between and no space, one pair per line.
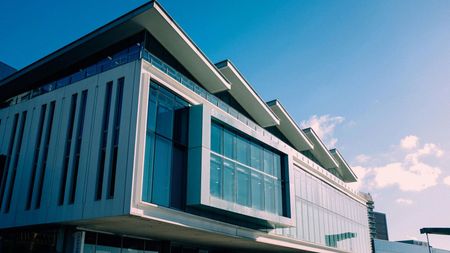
150,16
289,128
344,169
436,231
178,43
320,151
247,97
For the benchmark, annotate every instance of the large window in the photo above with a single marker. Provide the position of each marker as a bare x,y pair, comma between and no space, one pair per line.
166,148
327,216
244,171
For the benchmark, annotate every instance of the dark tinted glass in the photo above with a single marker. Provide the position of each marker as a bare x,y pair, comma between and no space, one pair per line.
216,138
166,148
162,168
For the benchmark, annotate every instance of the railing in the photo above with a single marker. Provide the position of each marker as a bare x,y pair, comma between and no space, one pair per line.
137,52
125,56
159,64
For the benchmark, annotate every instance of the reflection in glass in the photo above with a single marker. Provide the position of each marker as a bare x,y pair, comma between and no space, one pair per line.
243,185
257,191
216,176
162,171
165,148
250,176
228,181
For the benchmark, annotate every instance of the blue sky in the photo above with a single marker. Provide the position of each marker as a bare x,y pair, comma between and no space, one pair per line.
372,77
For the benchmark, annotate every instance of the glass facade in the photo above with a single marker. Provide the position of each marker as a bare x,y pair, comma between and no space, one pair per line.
244,172
108,243
326,216
166,148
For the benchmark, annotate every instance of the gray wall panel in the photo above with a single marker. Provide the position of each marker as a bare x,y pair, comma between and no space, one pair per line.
84,206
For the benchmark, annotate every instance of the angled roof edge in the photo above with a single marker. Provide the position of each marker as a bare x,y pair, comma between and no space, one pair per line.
191,43
79,41
214,81
345,169
320,151
244,93
289,128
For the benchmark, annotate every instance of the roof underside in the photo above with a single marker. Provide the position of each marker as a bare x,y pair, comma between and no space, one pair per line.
320,151
289,128
149,16
344,169
246,96
437,231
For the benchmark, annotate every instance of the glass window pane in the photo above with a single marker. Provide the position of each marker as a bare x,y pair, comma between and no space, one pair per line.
216,176
162,167
151,114
164,120
243,185
268,162
148,167
229,144
177,183
256,153
216,138
228,181
242,150
257,191
278,198
181,126
269,193
277,165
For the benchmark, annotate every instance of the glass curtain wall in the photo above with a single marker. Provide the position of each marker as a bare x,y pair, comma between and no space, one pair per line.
166,148
328,217
244,171
108,243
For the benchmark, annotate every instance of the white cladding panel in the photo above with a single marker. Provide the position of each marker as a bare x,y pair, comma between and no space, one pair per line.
61,201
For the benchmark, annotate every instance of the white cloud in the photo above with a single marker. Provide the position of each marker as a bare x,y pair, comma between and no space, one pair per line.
362,158
409,142
361,173
416,177
428,149
447,180
324,127
408,173
404,201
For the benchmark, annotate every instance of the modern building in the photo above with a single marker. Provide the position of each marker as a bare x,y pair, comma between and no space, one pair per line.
409,246
381,226
130,140
370,213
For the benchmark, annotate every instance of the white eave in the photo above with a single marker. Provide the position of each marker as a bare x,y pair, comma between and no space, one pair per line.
320,151
289,128
176,41
246,96
344,169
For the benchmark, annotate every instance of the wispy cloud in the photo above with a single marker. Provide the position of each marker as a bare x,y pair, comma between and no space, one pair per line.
362,158
324,127
409,172
404,201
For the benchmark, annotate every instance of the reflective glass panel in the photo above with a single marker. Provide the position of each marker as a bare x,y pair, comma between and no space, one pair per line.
216,138
228,181
243,185
216,176
257,191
